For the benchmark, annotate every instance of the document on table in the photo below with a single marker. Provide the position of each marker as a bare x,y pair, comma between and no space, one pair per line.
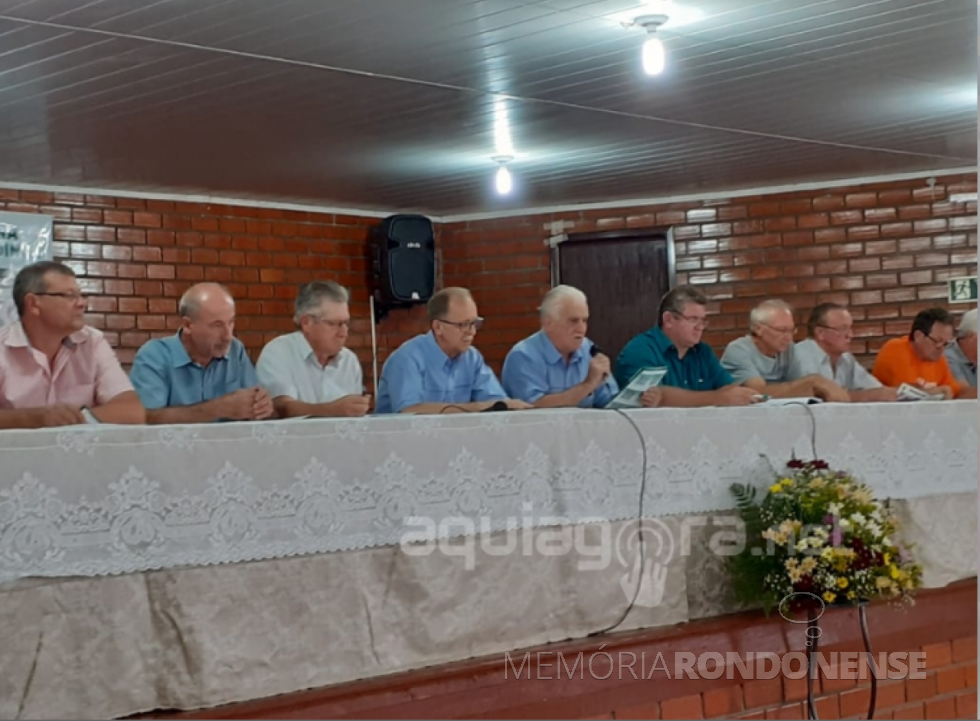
639,384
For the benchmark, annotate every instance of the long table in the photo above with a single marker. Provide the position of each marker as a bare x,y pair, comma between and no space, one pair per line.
189,566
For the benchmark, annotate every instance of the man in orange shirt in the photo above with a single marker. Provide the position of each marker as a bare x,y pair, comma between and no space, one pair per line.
919,359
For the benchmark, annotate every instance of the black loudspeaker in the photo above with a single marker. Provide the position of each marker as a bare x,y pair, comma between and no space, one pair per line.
403,250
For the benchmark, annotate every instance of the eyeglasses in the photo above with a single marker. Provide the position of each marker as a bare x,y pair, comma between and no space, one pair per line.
332,323
695,320
941,343
74,297
465,325
781,331
844,330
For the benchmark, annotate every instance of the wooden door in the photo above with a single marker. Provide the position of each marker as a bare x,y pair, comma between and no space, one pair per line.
624,274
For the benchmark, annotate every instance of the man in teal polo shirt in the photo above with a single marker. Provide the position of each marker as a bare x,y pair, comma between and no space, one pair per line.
694,374
202,373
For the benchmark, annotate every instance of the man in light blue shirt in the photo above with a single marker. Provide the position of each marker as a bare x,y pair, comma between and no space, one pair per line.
202,373
962,354
441,371
555,366
827,353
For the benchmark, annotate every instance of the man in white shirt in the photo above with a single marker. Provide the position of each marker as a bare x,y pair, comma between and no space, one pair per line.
310,372
765,360
826,353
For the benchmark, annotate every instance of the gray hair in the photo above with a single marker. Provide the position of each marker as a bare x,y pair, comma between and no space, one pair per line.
30,279
190,301
557,296
676,299
968,324
761,314
311,297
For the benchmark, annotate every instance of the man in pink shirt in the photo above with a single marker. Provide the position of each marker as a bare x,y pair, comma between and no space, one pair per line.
53,366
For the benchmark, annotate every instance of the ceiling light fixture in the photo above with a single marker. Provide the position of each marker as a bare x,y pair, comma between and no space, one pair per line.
504,181
654,55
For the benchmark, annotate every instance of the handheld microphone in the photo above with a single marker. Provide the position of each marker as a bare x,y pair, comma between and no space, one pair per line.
594,351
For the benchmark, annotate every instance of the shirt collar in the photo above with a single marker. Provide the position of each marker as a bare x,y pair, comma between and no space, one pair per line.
662,341
179,355
551,354
17,338
432,351
308,354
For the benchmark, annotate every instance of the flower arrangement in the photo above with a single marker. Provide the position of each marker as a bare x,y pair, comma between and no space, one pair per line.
822,532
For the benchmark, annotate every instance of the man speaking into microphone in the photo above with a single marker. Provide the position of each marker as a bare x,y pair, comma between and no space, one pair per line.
558,366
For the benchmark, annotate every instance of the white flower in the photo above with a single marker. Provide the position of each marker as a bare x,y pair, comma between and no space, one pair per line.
858,519
833,509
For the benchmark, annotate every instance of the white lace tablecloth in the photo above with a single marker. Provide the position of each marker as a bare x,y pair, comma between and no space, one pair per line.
93,500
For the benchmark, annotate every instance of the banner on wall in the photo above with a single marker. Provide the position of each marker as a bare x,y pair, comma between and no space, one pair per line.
25,238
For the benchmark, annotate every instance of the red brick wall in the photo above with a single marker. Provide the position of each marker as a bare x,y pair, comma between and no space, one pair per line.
138,256
885,249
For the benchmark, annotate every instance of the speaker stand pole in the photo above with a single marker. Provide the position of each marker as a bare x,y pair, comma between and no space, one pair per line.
374,348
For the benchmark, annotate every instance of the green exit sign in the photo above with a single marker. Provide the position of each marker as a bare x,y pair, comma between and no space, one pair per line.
962,290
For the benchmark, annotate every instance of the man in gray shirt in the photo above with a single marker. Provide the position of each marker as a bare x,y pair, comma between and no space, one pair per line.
826,353
766,359
962,354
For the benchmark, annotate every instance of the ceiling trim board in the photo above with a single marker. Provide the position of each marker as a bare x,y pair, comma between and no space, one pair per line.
714,195
191,198
494,215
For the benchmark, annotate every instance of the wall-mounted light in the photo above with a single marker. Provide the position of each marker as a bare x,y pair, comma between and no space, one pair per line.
503,180
654,55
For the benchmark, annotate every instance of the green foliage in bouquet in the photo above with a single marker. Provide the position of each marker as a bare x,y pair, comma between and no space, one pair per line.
819,531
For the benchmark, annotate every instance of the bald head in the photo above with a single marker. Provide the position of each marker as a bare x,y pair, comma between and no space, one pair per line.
204,295
207,313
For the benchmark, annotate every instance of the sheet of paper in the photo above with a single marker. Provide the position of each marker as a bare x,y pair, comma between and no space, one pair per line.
629,397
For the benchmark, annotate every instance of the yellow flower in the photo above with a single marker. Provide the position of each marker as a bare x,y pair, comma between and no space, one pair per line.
842,583
775,488
895,572
861,496
887,558
808,564
816,483
851,595
829,596
882,582
841,492
787,481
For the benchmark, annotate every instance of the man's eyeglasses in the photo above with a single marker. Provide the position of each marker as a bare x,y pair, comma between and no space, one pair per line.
781,331
940,342
465,325
695,320
74,297
332,323
844,330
